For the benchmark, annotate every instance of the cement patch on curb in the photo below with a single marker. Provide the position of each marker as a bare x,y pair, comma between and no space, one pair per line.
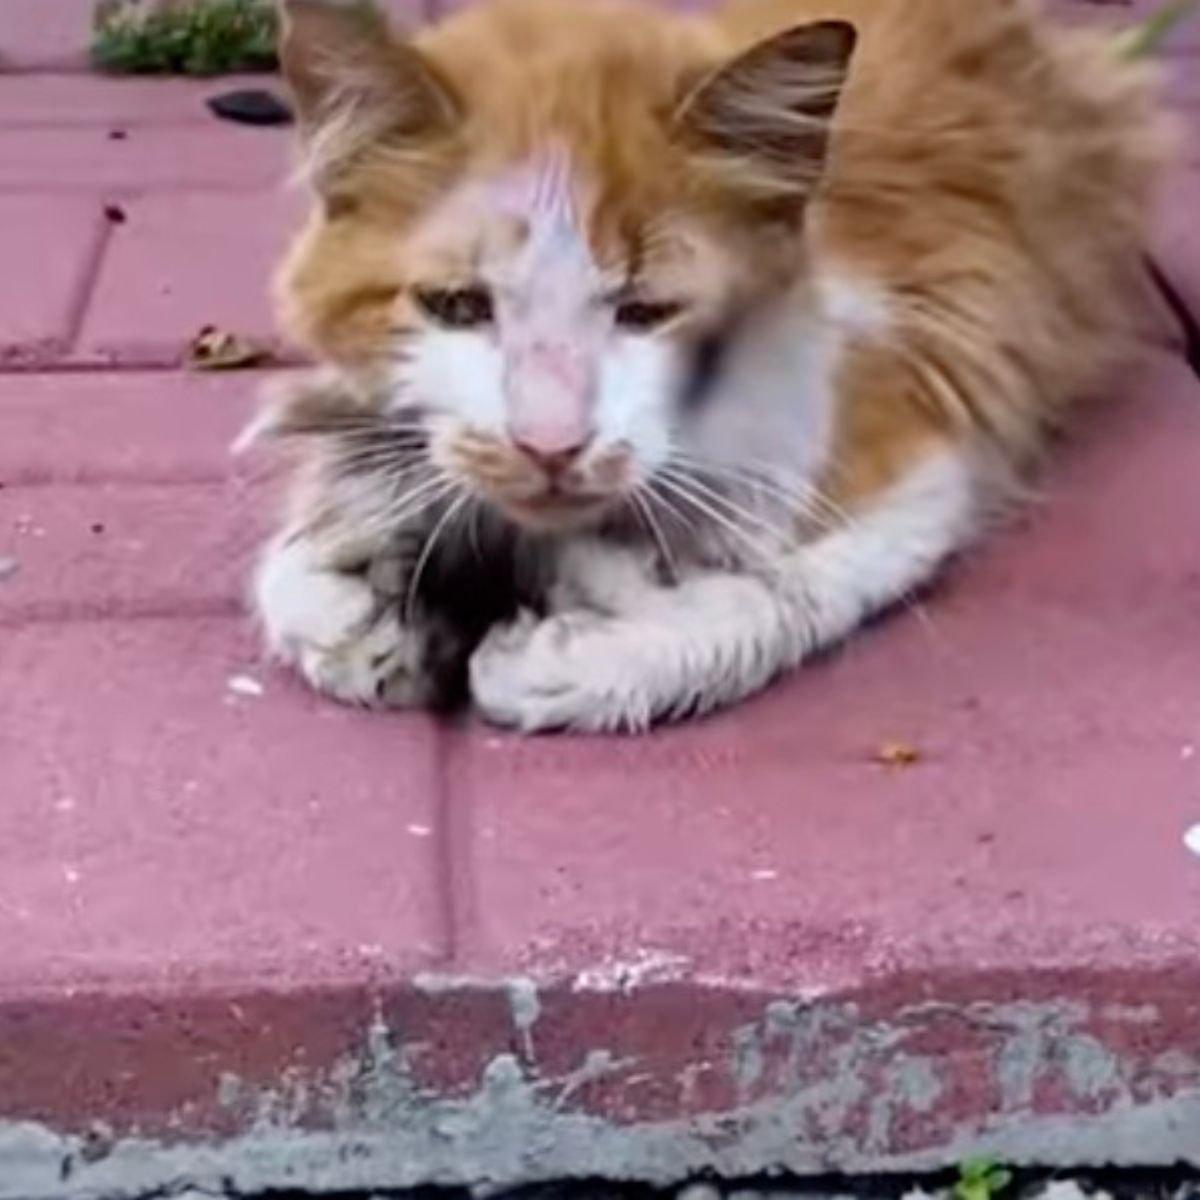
847,1093
543,1147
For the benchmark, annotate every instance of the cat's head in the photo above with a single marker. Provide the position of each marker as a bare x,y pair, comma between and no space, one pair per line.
541,217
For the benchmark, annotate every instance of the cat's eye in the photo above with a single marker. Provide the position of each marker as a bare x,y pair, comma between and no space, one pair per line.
641,316
456,308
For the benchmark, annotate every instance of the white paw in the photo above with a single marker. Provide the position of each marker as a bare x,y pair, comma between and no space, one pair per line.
575,670
380,666
329,626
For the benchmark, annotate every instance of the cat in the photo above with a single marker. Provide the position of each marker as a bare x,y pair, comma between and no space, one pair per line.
662,351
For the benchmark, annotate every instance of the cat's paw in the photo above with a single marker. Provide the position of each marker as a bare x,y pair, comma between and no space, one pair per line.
574,670
378,665
329,626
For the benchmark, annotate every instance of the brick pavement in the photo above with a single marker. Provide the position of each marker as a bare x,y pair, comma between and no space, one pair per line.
248,938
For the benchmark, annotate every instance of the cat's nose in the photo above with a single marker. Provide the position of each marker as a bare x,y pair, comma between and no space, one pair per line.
554,458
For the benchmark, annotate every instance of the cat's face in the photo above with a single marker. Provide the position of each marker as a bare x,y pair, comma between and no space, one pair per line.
552,366
542,276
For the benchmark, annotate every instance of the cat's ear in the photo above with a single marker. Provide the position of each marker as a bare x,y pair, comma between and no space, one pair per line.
356,85
762,120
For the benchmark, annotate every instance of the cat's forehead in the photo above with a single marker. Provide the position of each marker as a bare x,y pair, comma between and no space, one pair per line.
523,221
540,191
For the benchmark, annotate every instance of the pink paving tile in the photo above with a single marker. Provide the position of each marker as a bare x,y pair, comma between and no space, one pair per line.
38,100
153,427
1052,689
161,829
48,245
120,494
128,549
44,33
181,262
220,156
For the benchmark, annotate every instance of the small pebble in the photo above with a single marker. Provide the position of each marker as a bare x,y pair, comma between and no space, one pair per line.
1191,839
250,106
245,685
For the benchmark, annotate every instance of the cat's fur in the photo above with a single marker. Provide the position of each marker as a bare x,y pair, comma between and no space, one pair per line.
665,350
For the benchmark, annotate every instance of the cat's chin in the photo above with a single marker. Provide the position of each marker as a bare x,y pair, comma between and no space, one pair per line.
554,513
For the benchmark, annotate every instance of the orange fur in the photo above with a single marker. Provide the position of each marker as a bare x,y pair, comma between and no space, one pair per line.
989,175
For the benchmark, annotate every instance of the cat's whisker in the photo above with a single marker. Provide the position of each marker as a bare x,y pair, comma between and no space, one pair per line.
382,513
299,423
681,489
654,528
805,495
756,490
379,440
418,499
767,475
670,509
734,509
443,522
381,460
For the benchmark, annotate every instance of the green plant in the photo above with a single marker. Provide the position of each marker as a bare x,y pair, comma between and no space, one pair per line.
184,37
1146,38
981,1179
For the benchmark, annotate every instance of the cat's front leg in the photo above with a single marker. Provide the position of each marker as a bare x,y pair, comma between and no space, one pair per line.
653,653
621,650
339,628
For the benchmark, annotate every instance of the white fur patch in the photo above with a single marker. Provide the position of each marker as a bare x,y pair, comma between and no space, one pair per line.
325,623
716,637
459,373
773,407
639,380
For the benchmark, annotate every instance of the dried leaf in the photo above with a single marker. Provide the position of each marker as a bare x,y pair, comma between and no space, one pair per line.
214,349
897,754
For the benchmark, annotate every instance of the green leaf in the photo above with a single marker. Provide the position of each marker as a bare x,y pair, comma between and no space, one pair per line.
1145,39
981,1179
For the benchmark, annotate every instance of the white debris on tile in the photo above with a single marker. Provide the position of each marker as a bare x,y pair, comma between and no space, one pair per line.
245,685
1191,839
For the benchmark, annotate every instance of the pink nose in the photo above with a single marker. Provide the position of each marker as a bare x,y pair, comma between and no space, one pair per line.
555,460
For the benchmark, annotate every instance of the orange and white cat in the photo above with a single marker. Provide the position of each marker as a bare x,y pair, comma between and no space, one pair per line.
672,348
